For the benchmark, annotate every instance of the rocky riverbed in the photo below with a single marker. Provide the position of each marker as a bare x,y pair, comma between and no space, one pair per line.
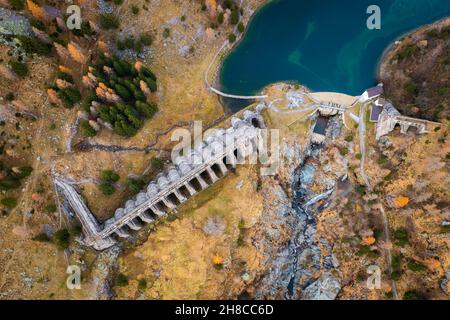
298,261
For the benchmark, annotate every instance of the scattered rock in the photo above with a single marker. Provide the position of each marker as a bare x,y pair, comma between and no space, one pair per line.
214,226
327,287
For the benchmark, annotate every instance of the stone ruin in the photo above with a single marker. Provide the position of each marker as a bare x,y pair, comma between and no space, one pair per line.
390,117
212,160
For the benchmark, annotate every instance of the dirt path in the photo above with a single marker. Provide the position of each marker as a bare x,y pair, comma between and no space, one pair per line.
362,135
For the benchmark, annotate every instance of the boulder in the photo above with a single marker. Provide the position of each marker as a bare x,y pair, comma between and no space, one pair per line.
327,287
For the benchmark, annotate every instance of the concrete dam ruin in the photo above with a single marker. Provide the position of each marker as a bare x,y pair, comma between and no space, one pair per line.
188,175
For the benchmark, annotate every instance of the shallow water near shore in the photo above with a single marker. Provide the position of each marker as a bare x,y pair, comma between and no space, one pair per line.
324,45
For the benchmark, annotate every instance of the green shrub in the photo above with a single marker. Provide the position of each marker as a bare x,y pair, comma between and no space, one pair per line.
234,17
407,52
241,224
241,27
396,267
64,76
17,4
33,45
121,45
146,73
108,21
416,267
378,233
51,207
135,184
109,176
142,284
146,109
412,295
361,190
107,189
231,37
9,183
9,97
358,156
75,230
410,87
220,18
85,29
366,251
151,85
134,9
123,92
42,237
62,238
382,160
146,39
121,280
157,164
166,33
137,47
349,138
396,275
69,96
19,68
129,43
9,202
443,91
219,266
240,242
23,172
434,33
401,237
344,151
87,129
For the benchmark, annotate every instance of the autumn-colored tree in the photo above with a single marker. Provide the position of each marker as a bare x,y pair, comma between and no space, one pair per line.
53,97
76,53
401,202
62,52
145,89
65,69
138,66
102,46
217,260
368,241
38,12
88,82
62,84
211,5
61,24
42,36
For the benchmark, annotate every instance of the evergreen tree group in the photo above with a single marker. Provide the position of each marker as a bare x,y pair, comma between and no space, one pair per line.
126,117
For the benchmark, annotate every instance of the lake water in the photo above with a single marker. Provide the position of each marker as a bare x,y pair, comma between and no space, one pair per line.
323,44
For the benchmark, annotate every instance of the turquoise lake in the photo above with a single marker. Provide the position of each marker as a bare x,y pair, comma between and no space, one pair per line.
323,44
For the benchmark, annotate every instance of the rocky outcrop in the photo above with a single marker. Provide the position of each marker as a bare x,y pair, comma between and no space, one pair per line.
327,287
